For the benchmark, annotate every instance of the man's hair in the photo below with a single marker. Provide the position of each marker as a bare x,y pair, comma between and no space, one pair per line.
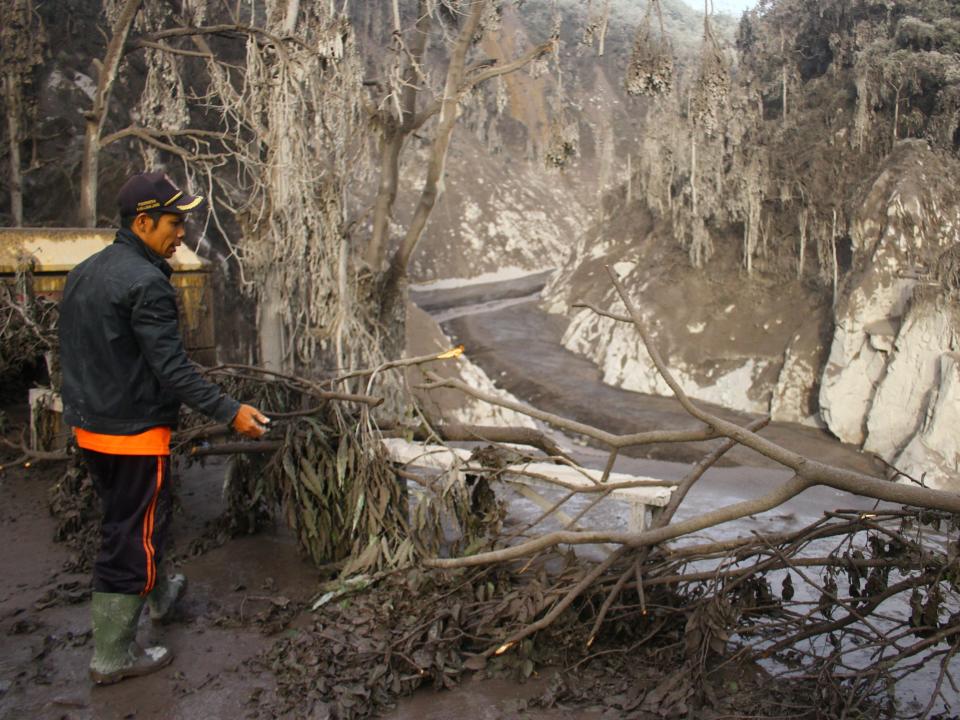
126,221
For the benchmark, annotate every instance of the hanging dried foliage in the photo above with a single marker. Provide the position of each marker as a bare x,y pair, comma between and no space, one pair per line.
712,88
491,21
948,269
295,114
650,70
701,243
163,102
595,28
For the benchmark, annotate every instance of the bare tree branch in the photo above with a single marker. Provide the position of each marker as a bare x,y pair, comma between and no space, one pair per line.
616,441
480,76
141,43
154,136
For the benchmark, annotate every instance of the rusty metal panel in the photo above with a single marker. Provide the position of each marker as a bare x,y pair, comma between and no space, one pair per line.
194,302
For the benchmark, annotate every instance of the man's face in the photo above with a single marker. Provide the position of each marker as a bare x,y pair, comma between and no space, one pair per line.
165,236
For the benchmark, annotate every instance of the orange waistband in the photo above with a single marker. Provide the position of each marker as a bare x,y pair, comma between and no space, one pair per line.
155,441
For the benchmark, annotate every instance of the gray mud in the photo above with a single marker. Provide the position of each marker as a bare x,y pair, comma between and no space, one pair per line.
44,651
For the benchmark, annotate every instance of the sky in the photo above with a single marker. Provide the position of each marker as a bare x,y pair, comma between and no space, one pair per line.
731,7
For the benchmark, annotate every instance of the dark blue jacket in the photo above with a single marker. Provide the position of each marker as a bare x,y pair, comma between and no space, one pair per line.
123,363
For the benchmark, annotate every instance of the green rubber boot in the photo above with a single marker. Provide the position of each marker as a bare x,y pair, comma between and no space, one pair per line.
164,596
116,654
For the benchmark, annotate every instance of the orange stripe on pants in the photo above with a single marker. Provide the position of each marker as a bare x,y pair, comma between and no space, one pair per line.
148,525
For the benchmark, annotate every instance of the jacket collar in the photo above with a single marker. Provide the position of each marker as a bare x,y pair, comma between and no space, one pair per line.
128,238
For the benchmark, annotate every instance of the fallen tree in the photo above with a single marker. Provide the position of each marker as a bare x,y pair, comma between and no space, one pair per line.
865,611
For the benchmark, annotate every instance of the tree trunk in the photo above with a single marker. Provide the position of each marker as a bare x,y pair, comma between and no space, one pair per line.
396,131
441,143
896,115
802,222
604,24
833,251
270,325
629,182
390,148
783,72
693,172
12,95
90,165
290,17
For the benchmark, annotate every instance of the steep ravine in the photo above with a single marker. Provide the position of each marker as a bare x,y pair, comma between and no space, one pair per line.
799,255
878,367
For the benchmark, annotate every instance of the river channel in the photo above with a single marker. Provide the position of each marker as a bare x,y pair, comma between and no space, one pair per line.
519,346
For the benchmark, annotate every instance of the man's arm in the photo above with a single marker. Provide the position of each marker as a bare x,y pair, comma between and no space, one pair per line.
155,325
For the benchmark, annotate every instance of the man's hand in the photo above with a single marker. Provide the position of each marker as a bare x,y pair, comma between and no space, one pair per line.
250,422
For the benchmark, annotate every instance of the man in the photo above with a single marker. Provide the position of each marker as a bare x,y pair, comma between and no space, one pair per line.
125,374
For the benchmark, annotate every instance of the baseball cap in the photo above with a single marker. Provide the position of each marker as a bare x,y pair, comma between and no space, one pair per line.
155,191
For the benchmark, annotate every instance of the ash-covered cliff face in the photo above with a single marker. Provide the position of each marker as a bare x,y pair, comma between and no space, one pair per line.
792,259
897,327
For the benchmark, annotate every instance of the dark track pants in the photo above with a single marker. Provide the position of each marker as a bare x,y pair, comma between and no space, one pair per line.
136,500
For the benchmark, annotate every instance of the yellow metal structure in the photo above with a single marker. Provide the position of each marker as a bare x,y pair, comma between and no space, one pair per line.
50,253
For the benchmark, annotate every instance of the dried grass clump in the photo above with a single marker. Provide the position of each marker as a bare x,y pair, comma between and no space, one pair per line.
650,70
948,269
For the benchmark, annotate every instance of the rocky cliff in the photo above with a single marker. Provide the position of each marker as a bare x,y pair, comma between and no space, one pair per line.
890,365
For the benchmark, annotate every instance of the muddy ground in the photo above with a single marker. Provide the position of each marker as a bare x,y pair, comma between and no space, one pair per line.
46,649
231,614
